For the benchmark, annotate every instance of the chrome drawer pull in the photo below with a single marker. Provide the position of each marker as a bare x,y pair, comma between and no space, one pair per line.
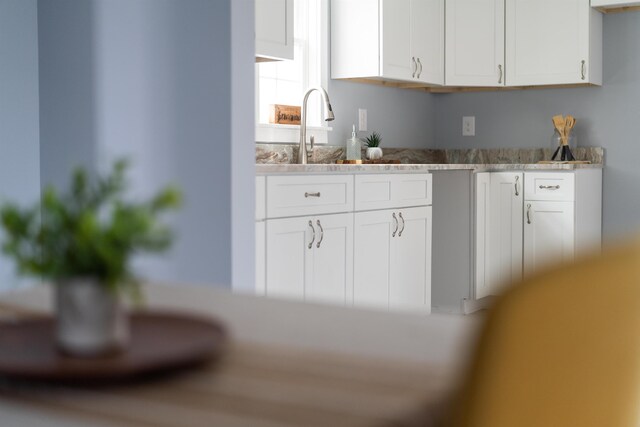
395,220
528,214
312,194
321,234
402,218
517,181
313,238
549,187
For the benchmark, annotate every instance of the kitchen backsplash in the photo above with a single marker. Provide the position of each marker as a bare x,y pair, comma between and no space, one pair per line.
287,153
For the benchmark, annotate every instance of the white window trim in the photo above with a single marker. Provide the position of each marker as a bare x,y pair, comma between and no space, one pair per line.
288,134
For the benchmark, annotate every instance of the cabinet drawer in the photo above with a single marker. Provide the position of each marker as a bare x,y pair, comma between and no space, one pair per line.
308,195
549,186
388,191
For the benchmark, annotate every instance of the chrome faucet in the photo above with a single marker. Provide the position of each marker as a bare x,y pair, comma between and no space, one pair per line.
302,149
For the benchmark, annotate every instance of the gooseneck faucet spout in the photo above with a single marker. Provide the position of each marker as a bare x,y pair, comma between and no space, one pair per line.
328,111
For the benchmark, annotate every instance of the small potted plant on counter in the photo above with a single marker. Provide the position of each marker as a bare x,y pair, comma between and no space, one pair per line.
373,146
82,242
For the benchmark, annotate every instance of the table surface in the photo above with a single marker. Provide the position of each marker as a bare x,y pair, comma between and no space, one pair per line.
289,364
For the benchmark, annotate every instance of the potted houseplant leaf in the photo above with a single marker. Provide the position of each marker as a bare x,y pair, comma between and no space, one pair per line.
373,146
82,241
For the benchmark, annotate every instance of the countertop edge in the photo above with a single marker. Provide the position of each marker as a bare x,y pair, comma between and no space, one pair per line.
267,169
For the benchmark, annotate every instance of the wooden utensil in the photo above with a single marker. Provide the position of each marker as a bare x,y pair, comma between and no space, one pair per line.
559,123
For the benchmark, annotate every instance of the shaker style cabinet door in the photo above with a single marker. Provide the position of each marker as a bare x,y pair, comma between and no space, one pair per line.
274,29
410,287
289,256
549,229
551,42
374,232
427,40
331,279
395,57
474,52
505,240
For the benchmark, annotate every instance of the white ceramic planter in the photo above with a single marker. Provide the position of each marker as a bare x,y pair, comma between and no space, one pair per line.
91,321
374,153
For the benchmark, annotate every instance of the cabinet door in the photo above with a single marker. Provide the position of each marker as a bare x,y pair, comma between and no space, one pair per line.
505,239
427,40
395,57
274,29
474,42
289,256
548,234
373,233
410,286
546,41
332,265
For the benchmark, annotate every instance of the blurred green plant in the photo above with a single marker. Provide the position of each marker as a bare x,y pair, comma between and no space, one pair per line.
91,231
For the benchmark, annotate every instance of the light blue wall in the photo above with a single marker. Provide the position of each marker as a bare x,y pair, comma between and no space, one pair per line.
19,134
151,80
608,116
405,118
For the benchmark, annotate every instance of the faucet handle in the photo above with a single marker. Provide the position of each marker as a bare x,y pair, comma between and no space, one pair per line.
312,140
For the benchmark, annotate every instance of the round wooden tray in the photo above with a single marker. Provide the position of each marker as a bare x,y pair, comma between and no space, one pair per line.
160,342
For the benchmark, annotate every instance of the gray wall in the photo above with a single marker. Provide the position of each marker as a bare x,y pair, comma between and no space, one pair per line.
405,118
19,135
608,116
151,80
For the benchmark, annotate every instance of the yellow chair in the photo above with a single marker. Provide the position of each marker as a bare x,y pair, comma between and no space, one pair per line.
561,350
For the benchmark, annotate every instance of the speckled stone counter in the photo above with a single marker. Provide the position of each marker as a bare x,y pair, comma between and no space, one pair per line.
277,159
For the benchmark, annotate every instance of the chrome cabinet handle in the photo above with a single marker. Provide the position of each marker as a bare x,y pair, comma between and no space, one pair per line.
529,214
312,194
419,72
313,238
402,218
517,182
395,220
500,74
583,69
321,233
414,66
549,187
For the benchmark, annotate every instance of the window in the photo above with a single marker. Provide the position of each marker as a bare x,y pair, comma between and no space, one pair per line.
285,82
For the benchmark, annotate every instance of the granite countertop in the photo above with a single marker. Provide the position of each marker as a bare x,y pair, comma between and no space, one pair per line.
272,159
266,169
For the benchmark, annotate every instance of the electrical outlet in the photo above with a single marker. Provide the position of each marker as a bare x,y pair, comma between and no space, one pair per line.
469,126
362,120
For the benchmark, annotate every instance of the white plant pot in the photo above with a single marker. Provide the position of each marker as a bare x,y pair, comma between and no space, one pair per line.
91,321
374,153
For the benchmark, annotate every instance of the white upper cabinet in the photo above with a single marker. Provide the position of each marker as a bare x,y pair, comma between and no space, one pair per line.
613,4
553,42
399,40
274,30
475,43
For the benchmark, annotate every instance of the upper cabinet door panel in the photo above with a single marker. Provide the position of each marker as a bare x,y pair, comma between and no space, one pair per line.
274,29
550,42
427,40
474,43
396,39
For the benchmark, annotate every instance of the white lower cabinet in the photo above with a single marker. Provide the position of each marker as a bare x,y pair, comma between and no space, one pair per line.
392,263
526,222
310,257
499,197
548,234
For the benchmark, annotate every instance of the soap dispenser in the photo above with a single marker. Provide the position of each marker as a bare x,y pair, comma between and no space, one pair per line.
354,151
